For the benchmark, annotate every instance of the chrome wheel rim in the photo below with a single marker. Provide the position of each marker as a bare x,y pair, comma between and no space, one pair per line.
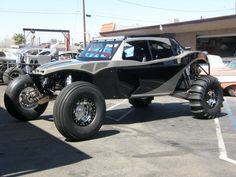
27,98
211,98
84,112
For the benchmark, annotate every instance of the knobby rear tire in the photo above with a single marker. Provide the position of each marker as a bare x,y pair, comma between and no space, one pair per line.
206,97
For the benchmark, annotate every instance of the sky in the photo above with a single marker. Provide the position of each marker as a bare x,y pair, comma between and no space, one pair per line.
67,14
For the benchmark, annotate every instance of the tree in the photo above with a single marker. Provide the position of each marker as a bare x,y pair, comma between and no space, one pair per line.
19,39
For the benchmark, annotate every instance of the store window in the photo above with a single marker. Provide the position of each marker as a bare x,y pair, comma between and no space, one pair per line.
222,46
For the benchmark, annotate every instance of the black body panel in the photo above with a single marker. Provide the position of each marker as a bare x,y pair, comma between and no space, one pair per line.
123,82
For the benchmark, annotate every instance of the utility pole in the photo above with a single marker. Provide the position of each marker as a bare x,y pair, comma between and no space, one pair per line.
235,7
84,23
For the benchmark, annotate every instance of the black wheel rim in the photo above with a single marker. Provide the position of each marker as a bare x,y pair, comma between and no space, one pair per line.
84,112
211,98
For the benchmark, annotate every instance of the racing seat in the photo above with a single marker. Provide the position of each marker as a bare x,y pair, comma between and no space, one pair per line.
139,54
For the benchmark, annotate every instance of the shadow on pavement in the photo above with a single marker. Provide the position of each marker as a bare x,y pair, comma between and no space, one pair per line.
5,118
25,149
100,134
153,112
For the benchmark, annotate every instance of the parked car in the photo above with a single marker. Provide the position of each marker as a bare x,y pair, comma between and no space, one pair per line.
66,55
4,65
215,61
134,68
227,77
7,60
225,73
232,64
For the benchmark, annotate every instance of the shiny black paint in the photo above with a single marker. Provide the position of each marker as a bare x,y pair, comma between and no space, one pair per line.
122,82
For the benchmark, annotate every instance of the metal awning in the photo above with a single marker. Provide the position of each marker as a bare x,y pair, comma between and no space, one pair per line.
216,35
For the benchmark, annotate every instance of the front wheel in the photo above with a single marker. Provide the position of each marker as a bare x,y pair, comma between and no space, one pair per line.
79,111
19,99
206,97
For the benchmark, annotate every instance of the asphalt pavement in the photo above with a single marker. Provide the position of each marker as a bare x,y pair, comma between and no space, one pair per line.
160,140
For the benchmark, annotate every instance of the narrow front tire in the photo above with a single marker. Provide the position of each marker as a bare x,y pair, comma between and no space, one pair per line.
19,101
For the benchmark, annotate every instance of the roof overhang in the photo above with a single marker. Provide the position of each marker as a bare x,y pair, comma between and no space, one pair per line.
217,23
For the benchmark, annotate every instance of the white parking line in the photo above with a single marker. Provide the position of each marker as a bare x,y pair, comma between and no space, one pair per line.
121,117
230,115
221,145
19,173
110,117
124,115
118,104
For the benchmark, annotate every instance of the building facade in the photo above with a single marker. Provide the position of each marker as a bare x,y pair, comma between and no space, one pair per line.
214,35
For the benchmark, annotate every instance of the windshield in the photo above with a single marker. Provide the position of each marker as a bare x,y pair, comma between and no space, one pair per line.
99,50
177,48
232,64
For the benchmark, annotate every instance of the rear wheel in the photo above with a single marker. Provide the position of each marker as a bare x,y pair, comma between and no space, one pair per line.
141,102
79,111
206,97
11,73
19,99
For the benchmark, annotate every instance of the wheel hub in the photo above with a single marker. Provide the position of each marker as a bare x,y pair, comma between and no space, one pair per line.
211,98
84,112
27,98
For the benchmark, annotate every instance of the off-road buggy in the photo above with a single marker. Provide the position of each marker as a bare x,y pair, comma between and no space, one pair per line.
28,59
4,65
135,68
